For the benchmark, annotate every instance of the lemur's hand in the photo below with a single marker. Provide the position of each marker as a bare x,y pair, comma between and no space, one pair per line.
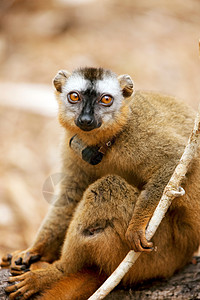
20,261
31,282
137,240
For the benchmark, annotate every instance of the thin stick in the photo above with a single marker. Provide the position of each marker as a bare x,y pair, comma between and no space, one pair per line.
171,191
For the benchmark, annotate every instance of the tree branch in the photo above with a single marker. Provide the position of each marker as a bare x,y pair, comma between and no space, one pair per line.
171,191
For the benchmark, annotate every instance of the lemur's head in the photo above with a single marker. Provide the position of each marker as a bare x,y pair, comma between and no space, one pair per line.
92,100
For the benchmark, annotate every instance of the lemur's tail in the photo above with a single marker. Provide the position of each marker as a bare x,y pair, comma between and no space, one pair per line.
78,286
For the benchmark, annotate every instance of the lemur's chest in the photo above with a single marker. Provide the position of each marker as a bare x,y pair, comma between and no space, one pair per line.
118,163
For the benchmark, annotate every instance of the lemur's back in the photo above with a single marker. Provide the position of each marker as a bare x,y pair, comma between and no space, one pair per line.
163,111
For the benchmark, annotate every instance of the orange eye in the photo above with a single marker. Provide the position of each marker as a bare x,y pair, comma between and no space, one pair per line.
73,97
106,100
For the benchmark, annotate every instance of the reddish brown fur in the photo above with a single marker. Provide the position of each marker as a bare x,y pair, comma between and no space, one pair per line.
106,212
79,286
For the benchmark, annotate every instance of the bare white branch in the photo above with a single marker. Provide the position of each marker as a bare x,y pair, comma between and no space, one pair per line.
171,191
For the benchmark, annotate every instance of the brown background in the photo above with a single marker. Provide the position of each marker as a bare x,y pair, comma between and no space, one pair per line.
155,41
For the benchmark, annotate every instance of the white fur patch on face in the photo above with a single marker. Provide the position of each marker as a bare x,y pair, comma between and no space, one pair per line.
75,83
108,85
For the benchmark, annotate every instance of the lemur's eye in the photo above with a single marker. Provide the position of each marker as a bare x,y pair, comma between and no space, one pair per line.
73,97
106,100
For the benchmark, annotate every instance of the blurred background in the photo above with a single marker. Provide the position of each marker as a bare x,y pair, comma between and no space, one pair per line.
155,41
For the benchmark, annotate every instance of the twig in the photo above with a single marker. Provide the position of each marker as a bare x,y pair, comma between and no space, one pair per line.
171,191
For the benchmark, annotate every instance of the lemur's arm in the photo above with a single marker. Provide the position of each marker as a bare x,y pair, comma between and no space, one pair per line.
145,207
49,239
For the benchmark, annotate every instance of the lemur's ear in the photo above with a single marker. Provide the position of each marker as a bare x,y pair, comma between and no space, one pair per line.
60,79
126,84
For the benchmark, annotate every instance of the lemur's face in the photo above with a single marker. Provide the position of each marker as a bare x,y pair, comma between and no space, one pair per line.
90,98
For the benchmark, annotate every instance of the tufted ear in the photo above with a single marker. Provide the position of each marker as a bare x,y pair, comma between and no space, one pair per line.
60,79
126,84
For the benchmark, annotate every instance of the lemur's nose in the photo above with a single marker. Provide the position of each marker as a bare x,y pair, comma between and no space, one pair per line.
86,119
86,122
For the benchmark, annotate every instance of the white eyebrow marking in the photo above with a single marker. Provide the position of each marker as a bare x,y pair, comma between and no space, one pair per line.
75,83
108,85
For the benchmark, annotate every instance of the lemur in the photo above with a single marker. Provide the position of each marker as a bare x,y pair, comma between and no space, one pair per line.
119,149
